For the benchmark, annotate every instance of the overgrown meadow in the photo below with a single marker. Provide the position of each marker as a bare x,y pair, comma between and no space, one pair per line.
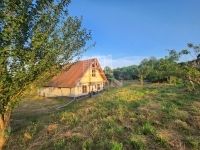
155,116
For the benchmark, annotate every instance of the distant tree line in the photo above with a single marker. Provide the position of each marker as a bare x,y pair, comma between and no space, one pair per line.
124,73
169,69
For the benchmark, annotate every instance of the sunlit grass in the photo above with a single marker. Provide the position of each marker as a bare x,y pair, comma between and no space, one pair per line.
131,117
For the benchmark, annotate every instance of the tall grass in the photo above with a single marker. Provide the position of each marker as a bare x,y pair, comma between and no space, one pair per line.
130,117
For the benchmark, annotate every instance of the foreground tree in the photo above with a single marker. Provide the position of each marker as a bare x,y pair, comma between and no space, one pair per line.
36,37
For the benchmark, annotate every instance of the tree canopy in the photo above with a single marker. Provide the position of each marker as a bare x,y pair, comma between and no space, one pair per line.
109,73
36,38
171,68
125,73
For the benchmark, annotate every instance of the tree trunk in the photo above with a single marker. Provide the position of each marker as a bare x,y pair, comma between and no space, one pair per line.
141,80
4,123
2,133
192,84
169,80
2,141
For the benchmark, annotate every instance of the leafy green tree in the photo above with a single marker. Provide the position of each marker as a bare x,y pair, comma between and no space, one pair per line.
154,73
191,69
36,38
158,70
194,50
109,73
125,73
143,70
163,69
167,69
188,71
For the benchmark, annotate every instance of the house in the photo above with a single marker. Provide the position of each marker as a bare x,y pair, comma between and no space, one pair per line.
82,78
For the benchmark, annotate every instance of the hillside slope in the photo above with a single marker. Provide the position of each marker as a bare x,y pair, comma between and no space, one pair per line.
130,117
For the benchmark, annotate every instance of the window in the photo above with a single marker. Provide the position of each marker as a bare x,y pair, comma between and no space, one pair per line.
84,89
94,65
98,87
93,73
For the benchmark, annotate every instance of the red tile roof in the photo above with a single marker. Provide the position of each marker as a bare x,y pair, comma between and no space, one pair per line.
69,78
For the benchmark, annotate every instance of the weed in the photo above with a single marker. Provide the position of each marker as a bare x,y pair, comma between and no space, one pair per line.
87,144
116,146
59,144
160,139
193,142
147,128
137,142
69,118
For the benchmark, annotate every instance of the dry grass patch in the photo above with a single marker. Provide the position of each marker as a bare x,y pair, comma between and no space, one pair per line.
194,121
172,138
52,128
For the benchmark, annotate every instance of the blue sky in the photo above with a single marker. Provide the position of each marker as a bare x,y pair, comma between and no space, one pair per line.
126,31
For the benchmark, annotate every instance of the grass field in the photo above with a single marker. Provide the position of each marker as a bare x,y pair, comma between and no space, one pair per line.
130,117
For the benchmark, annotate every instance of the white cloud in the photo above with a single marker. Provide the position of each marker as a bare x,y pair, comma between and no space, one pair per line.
108,60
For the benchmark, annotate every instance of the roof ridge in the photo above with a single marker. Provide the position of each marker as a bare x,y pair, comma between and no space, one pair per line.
89,59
